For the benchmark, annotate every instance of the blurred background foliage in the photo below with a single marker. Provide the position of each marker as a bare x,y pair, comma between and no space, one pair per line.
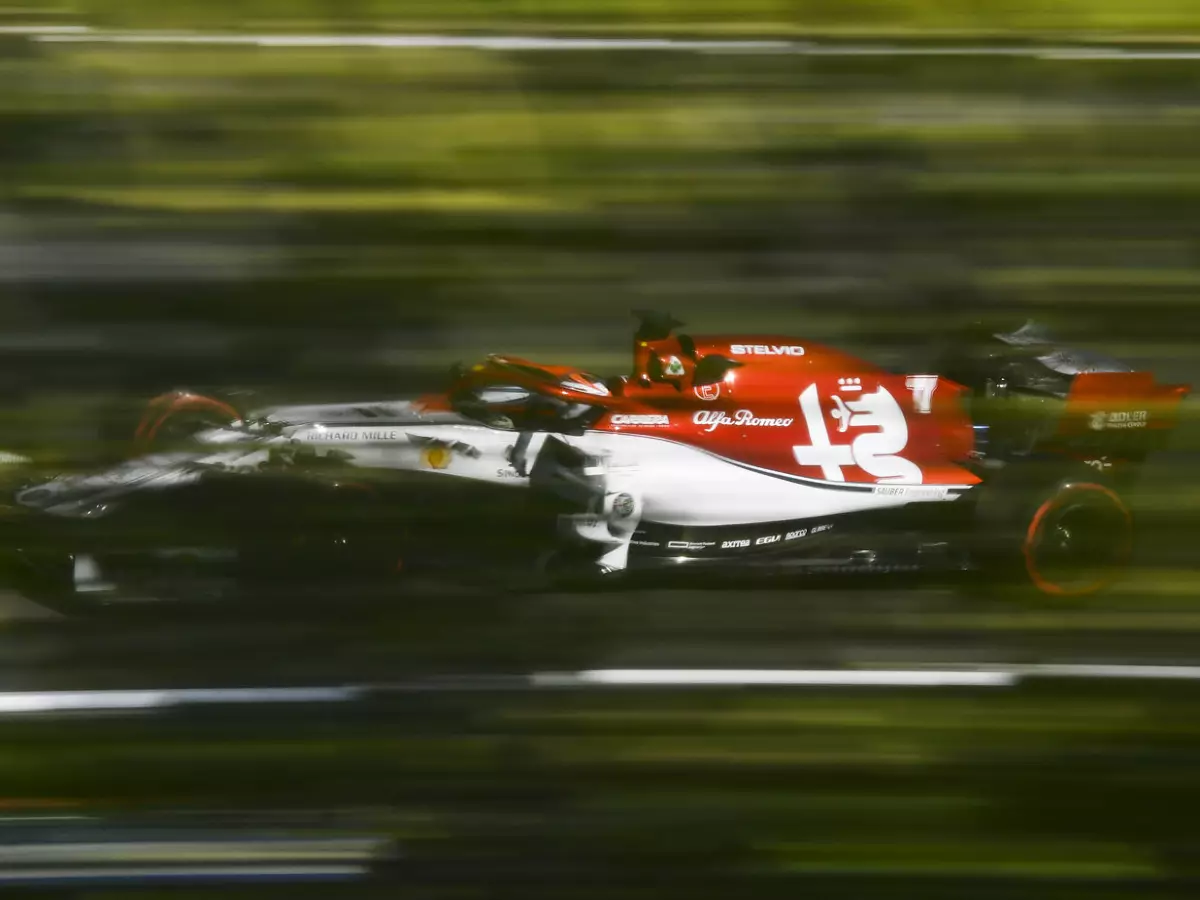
325,220
361,214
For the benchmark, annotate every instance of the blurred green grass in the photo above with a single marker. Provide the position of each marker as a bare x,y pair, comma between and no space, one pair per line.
1067,781
502,183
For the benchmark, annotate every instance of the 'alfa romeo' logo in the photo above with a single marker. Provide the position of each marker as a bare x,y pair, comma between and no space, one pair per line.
712,419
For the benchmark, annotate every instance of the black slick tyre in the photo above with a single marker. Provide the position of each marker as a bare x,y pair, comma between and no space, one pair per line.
1061,539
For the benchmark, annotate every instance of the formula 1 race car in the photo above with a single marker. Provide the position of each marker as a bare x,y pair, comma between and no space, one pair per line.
1011,455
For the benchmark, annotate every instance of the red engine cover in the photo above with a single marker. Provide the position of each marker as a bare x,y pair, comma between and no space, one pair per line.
802,409
789,407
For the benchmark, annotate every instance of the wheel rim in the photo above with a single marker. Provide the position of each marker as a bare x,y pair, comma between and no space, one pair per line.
1078,541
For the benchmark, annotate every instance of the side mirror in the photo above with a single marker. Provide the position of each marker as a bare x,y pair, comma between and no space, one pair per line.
713,368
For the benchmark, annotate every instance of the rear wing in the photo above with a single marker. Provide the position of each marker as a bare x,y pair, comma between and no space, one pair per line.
1125,408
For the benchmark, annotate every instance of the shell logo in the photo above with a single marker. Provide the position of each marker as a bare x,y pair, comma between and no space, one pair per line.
436,457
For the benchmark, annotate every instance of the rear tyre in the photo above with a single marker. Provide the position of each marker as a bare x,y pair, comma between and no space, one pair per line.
1067,540
1079,541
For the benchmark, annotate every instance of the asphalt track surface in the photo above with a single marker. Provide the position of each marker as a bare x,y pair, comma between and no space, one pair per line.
387,639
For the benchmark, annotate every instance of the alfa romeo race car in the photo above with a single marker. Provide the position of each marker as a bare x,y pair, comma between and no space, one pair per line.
1010,455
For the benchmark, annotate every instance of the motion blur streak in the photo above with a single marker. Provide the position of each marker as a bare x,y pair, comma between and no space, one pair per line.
1186,673
562,44
120,874
418,41
997,676
64,701
768,677
43,29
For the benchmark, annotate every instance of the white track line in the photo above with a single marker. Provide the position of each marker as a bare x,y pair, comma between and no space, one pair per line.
418,41
84,34
35,702
244,850
76,701
43,29
42,876
1117,672
983,676
774,678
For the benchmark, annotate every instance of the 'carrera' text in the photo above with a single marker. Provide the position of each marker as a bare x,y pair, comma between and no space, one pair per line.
625,419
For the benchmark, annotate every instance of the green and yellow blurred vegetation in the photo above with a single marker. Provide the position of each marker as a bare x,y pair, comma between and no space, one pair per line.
1038,793
386,188
456,190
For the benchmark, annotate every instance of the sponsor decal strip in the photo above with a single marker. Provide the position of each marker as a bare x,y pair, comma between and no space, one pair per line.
354,435
640,419
1101,421
712,419
765,350
713,539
